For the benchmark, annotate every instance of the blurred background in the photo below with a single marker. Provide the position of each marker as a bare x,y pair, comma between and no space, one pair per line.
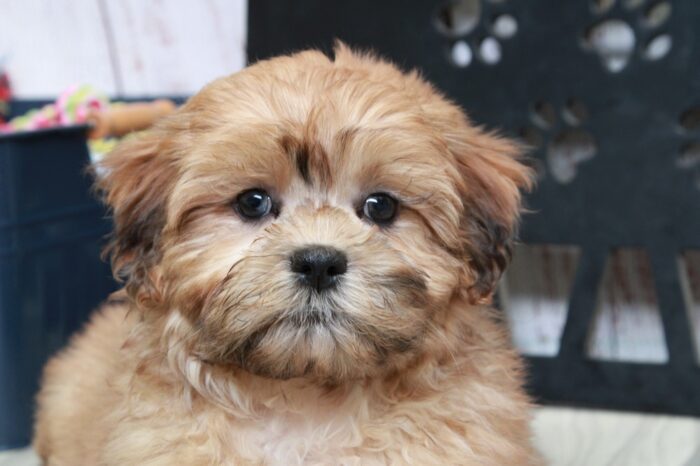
603,295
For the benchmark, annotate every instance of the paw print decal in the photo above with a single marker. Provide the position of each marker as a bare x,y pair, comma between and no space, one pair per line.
689,157
560,134
616,40
469,35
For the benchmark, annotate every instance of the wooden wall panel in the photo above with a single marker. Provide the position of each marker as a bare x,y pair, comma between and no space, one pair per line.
48,45
125,47
176,47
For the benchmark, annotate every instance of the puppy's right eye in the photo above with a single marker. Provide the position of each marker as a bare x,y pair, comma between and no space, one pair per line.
253,204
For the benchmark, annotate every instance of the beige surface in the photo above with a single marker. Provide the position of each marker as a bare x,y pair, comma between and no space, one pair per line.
601,438
19,458
569,437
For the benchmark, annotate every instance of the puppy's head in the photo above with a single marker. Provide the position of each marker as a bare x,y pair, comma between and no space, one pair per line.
313,217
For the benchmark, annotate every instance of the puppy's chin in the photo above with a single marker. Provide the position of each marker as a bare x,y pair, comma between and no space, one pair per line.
320,340
322,344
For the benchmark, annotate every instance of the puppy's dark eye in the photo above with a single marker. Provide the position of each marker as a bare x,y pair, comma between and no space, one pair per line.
254,204
380,208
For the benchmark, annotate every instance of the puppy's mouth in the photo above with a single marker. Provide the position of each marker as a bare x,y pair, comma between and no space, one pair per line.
303,319
341,333
312,317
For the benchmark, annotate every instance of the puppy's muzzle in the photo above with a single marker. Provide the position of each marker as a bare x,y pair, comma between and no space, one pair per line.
319,267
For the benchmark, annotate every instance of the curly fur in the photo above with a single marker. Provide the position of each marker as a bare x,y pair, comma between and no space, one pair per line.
213,355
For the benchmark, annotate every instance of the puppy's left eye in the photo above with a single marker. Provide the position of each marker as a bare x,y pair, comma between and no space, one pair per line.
380,208
254,204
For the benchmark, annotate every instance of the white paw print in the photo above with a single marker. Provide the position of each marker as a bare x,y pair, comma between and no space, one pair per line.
470,36
559,135
617,40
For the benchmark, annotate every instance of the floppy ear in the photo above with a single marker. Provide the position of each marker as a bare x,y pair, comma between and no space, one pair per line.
493,178
135,181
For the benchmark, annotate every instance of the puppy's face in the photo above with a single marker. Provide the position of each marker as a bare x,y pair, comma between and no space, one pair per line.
310,217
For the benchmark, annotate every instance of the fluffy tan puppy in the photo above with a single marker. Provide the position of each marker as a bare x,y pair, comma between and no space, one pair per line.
309,249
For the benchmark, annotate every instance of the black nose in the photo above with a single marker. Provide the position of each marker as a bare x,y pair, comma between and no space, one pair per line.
319,266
